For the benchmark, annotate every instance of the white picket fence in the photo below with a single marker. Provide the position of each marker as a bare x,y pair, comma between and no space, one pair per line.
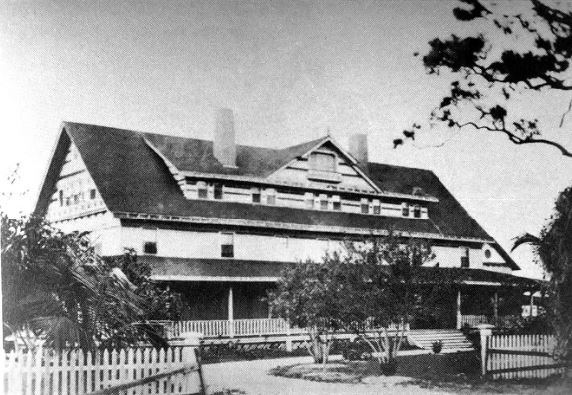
521,356
74,372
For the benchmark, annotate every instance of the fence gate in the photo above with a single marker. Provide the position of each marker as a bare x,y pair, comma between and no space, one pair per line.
521,356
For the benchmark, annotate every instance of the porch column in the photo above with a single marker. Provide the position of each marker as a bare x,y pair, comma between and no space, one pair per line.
459,316
531,301
230,312
496,308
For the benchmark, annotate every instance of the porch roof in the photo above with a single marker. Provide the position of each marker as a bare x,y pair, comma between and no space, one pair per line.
207,269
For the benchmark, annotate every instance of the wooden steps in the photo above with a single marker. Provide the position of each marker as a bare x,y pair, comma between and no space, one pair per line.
451,338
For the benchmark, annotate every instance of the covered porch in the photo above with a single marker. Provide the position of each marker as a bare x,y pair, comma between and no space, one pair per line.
227,297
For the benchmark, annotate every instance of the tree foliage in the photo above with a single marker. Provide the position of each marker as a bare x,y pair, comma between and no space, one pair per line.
55,286
307,296
364,290
382,290
532,53
553,247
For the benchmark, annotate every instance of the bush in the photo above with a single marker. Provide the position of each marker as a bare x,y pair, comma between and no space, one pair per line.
437,346
356,351
527,325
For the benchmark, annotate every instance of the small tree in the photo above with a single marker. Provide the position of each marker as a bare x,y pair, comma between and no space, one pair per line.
307,297
381,286
553,249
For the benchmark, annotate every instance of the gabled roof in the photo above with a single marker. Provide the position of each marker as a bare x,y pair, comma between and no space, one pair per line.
250,161
132,178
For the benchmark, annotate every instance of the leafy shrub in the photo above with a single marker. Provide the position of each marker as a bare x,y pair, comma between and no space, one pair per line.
356,351
527,325
437,346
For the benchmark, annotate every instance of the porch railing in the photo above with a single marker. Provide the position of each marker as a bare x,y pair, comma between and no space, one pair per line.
473,320
238,327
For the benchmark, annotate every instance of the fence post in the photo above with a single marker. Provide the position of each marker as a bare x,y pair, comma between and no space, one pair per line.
288,338
484,331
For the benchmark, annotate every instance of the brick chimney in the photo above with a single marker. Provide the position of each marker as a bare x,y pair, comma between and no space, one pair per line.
357,147
224,146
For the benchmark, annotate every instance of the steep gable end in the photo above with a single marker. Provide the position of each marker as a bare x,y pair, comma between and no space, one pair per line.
325,164
69,191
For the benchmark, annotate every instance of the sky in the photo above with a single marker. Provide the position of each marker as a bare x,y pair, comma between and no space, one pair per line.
291,71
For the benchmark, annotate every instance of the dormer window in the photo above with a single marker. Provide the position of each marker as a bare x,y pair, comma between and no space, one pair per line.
417,212
309,200
376,207
336,203
405,210
364,206
322,161
255,195
218,191
202,189
323,202
271,196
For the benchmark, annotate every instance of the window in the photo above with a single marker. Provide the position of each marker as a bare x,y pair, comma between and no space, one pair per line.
488,253
227,245
202,190
417,212
323,202
336,203
465,258
92,193
76,198
271,196
405,210
61,195
364,206
323,162
255,195
309,199
150,247
376,207
68,200
218,191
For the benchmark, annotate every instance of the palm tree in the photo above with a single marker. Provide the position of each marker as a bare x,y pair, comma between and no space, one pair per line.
553,248
56,287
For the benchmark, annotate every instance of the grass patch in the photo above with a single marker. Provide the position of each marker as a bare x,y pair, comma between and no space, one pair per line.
455,372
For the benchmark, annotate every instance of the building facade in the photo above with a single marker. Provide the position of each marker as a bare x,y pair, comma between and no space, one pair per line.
218,221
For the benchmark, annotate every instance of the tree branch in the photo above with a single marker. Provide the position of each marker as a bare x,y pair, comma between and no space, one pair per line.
516,139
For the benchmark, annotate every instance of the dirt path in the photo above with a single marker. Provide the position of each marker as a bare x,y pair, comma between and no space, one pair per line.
250,377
